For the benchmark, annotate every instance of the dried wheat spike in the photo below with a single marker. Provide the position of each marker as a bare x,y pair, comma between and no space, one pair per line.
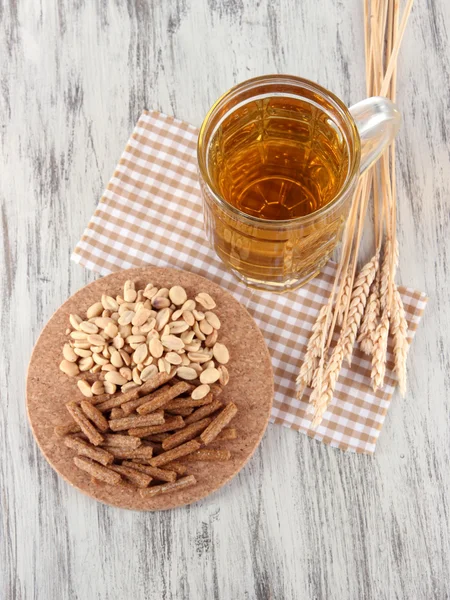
322,394
315,378
370,318
358,302
385,270
313,351
379,352
399,329
321,399
388,277
345,298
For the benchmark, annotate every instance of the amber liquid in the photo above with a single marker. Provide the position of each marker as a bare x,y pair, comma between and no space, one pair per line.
278,158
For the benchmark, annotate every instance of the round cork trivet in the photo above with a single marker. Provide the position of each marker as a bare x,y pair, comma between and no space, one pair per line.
250,387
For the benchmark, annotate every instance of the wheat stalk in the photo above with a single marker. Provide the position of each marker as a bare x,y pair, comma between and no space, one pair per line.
370,318
358,302
392,65
379,352
399,328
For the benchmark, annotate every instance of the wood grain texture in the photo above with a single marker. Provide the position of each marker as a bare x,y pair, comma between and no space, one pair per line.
301,520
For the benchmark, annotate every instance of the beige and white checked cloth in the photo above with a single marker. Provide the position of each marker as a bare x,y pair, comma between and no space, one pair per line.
151,213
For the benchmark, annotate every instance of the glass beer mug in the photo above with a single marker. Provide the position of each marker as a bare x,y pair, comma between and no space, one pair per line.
279,158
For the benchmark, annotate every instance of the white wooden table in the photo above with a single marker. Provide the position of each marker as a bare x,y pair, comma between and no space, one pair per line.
301,521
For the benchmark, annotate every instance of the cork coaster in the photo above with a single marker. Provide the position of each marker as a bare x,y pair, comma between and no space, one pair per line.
250,387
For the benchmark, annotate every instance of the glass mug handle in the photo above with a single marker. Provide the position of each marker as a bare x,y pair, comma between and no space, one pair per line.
378,121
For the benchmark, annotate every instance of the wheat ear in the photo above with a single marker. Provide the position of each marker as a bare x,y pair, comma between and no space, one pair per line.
313,351
388,270
370,318
321,398
379,352
399,329
358,303
385,275
344,298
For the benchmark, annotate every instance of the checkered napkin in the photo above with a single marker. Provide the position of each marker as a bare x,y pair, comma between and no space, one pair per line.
151,213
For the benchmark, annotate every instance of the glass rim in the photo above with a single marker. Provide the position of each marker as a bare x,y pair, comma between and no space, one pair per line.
341,108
